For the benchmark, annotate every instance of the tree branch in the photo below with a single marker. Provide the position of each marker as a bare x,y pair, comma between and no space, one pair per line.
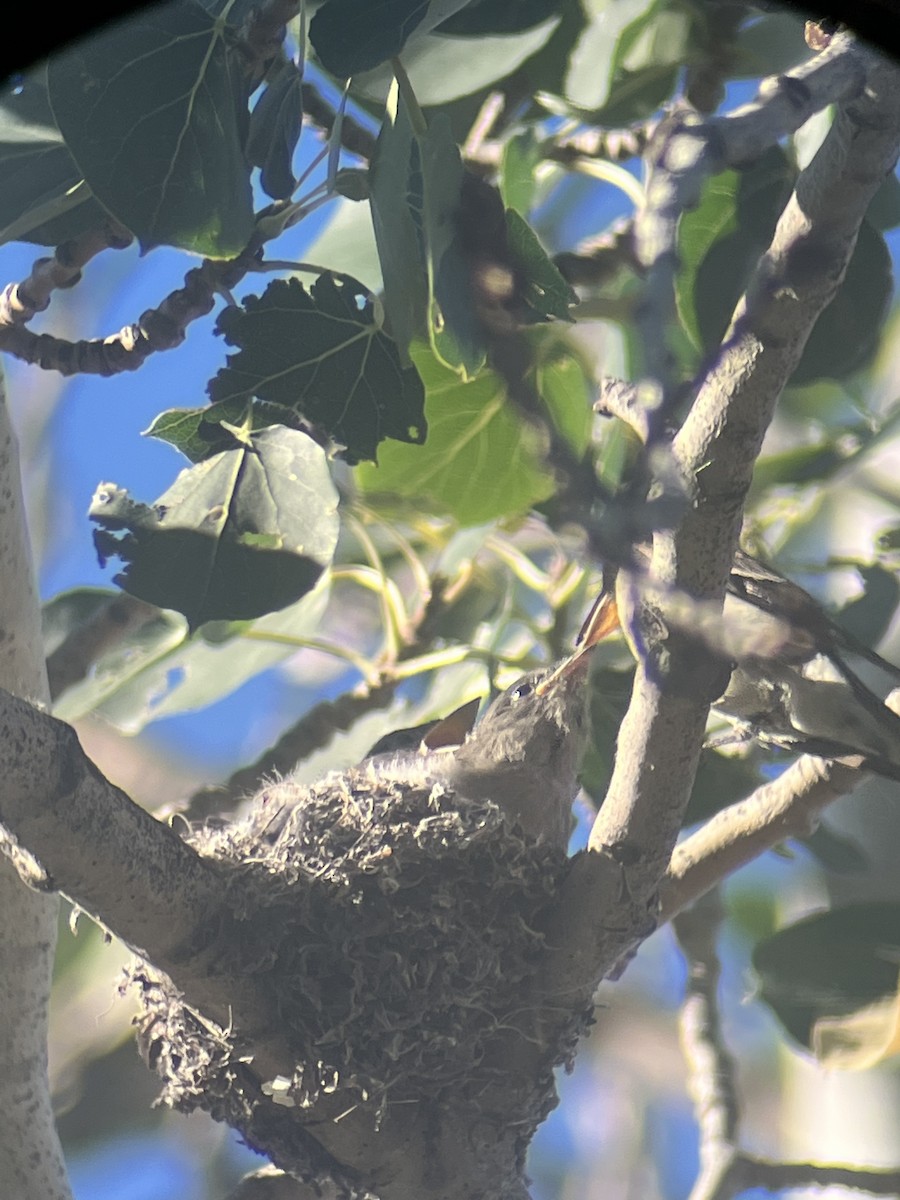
687,149
787,807
710,1080
30,1155
75,832
716,449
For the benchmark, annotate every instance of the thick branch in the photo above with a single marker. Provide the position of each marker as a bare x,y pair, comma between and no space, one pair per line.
786,808
126,868
31,1160
716,448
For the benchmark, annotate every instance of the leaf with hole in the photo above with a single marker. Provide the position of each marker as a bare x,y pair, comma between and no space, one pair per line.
244,533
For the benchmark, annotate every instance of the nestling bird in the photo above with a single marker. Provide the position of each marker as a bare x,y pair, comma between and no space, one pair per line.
523,756
791,683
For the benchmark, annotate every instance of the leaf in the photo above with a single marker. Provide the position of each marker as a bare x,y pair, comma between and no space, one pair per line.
597,52
70,610
274,131
521,155
480,462
544,290
799,465
721,239
162,670
869,616
416,191
43,198
351,36
323,356
188,430
244,533
481,18
770,45
444,68
846,335
566,391
831,980
627,60
884,210
199,433
154,112
720,242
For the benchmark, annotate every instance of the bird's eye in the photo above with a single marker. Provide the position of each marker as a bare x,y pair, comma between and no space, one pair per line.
521,690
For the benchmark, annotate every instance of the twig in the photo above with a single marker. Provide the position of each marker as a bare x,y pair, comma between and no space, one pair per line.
787,807
20,301
710,1067
355,138
159,328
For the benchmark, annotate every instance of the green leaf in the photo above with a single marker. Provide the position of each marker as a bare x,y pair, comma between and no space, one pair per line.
199,433
543,288
799,465
481,18
417,182
322,355
351,36
627,60
721,239
884,210
846,335
443,69
597,52
565,389
521,155
244,533
161,670
771,44
154,112
868,616
275,124
43,198
720,242
820,972
69,611
480,461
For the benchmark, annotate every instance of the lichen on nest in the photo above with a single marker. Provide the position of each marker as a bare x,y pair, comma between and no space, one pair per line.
397,928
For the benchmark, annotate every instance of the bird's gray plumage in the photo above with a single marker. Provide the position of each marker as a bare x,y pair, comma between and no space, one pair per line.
523,756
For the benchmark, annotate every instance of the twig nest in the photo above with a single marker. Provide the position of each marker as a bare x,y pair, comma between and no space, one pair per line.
397,928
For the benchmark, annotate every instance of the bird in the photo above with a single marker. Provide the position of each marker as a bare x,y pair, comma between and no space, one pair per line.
523,756
792,684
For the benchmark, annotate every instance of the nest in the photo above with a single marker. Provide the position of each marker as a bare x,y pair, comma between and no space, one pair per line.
396,927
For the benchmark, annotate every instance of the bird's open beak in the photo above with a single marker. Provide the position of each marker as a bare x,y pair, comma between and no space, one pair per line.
602,620
452,730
